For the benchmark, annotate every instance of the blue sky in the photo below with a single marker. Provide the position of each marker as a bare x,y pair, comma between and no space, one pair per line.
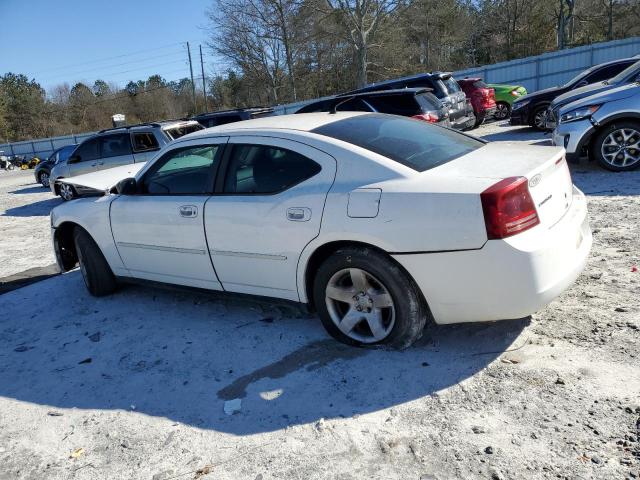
57,41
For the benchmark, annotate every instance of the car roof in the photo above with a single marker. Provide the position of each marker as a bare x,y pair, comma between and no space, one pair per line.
304,122
232,111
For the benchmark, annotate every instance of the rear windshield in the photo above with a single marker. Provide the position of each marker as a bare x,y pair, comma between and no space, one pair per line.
428,101
180,131
480,84
400,104
413,143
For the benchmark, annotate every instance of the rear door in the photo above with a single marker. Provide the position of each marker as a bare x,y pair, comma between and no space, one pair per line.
159,231
115,150
269,207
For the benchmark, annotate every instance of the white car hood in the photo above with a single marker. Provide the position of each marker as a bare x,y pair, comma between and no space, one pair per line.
103,180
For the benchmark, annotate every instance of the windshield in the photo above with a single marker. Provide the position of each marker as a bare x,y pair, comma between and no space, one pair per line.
413,143
580,76
631,71
182,130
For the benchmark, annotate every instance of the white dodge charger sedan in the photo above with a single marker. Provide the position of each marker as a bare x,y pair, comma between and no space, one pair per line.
378,222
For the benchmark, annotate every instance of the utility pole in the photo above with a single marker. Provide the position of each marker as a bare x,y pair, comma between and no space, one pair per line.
204,83
193,85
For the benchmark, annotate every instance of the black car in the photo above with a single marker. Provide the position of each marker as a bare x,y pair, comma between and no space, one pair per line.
222,117
418,103
43,169
532,109
628,75
443,86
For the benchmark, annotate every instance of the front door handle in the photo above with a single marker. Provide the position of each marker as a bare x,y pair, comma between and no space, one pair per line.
299,214
188,211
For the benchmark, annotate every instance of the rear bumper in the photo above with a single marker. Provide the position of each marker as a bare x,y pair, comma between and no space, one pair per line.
463,123
505,279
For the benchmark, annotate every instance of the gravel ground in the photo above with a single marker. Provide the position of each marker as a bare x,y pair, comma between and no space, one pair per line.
134,385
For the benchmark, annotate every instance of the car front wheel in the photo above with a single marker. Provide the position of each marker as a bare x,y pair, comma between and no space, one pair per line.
44,179
96,273
617,146
364,298
502,111
539,118
67,192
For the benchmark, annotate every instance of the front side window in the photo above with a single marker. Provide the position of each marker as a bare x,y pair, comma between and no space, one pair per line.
115,145
262,169
88,150
415,144
188,170
145,142
606,73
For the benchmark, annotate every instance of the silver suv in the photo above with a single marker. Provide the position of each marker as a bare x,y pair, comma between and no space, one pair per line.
605,126
114,147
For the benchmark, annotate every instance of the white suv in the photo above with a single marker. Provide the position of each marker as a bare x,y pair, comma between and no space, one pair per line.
114,147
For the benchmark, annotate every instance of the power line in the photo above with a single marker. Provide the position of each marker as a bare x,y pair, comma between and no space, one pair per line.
114,57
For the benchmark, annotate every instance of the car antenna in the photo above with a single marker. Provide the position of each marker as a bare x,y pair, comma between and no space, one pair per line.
335,107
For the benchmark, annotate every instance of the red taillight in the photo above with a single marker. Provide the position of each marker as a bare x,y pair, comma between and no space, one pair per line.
427,117
508,208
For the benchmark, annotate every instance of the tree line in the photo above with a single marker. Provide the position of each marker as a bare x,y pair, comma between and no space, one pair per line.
280,51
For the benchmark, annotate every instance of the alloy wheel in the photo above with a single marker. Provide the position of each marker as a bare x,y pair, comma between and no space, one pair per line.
621,148
44,179
360,305
502,111
66,191
539,119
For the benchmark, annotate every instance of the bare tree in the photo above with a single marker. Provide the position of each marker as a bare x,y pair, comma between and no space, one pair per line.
362,19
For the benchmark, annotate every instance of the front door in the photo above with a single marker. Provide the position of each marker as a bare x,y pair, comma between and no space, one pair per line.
159,231
85,158
270,208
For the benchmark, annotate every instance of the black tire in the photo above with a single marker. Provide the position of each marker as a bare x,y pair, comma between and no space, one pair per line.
503,111
595,151
40,181
534,118
410,312
96,273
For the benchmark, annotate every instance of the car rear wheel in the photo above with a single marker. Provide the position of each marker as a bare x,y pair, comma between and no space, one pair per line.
96,273
539,117
364,298
44,179
617,146
503,110
66,191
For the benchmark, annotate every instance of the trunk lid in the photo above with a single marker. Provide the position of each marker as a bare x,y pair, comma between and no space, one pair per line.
545,168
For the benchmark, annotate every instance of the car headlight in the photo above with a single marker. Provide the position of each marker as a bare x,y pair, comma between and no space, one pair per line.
519,105
579,113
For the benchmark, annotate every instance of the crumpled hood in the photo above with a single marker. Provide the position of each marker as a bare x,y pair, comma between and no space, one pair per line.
608,95
103,180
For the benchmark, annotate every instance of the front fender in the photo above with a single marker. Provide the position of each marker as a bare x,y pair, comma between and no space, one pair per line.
92,214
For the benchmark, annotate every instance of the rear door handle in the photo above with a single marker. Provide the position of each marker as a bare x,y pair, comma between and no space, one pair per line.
188,211
299,214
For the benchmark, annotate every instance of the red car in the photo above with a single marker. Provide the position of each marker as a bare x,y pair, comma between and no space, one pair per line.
482,98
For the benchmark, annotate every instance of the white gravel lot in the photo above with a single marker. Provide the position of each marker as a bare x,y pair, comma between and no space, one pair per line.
134,385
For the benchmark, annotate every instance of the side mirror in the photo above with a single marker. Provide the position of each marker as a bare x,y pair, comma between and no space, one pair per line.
74,159
128,186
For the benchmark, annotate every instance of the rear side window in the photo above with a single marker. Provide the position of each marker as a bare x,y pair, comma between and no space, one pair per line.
403,104
181,131
451,85
413,143
262,169
115,145
145,142
352,105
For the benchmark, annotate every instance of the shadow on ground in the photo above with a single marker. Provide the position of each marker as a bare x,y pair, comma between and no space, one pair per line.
41,208
181,355
31,189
